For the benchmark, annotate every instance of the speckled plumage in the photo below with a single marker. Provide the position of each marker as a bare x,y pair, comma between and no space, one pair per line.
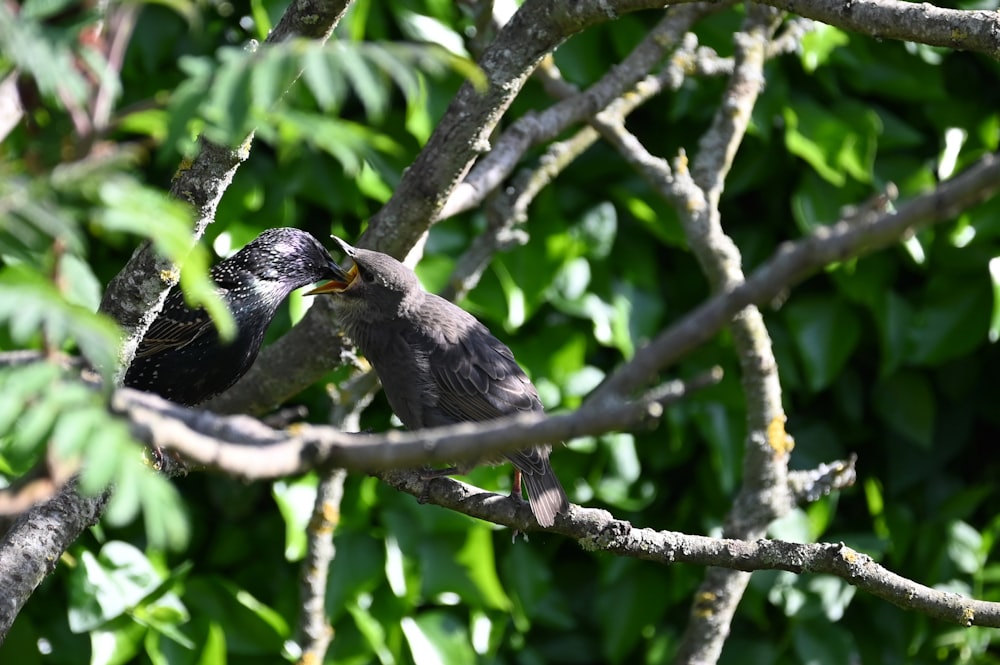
181,356
439,365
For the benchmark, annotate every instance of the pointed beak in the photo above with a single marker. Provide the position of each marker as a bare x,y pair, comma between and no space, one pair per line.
344,247
341,279
338,284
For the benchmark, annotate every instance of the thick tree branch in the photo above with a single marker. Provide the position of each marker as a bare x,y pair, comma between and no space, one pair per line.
533,129
794,261
598,530
31,548
463,134
924,23
220,442
763,494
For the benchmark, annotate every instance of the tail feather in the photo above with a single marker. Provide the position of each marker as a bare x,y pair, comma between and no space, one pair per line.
545,495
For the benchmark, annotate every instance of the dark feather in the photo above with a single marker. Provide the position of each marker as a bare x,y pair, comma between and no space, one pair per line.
181,356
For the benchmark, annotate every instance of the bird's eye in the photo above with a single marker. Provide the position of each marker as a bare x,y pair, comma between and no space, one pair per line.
366,275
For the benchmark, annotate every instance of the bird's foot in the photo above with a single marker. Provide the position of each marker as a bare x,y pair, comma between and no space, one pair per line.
518,499
168,463
428,474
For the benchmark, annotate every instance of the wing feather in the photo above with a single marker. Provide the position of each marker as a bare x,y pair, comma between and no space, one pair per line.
182,327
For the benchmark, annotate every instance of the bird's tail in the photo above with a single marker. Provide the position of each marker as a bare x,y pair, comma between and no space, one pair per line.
545,494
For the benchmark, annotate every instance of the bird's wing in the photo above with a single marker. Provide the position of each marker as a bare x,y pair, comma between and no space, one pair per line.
478,379
175,328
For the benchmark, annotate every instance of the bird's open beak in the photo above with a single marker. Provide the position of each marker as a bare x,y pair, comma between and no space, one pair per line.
341,280
338,284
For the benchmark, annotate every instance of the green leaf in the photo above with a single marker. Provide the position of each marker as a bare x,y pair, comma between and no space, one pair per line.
624,469
349,143
322,75
633,600
894,317
793,527
597,230
965,547
825,334
820,643
436,637
116,643
165,615
270,78
30,305
785,594
817,45
833,593
48,62
296,500
229,110
952,320
478,561
250,627
422,28
165,522
816,202
837,142
132,208
994,333
103,588
373,632
723,432
364,556
81,285
905,402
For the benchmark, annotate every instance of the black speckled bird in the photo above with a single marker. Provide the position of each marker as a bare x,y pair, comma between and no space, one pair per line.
439,365
181,356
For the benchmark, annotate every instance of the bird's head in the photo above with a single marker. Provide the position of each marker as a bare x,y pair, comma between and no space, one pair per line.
288,257
376,283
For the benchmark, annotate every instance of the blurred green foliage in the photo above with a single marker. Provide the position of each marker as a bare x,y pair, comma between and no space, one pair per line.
889,356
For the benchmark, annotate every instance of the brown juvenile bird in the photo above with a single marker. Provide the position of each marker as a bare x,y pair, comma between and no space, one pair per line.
439,365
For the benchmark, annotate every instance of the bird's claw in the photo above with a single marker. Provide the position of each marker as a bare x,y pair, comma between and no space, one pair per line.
168,463
427,473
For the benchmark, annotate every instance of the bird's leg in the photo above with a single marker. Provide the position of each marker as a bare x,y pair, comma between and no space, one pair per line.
515,487
428,474
515,495
167,462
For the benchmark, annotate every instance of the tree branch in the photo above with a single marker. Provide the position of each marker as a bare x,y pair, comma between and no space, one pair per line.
464,132
220,442
314,632
959,29
598,530
31,548
764,493
794,261
533,129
